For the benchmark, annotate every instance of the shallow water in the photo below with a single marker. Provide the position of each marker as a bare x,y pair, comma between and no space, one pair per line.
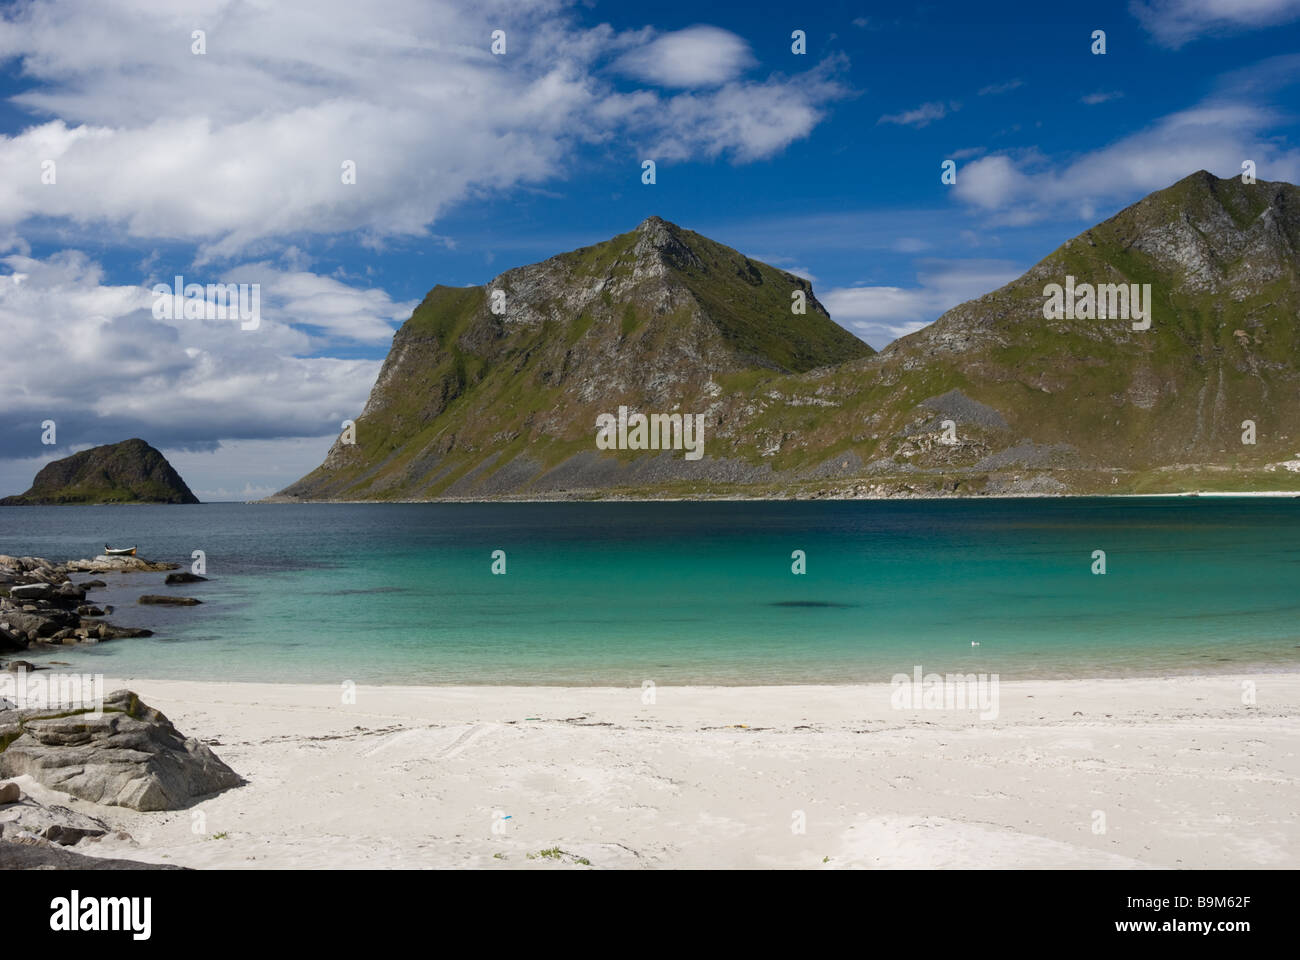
620,593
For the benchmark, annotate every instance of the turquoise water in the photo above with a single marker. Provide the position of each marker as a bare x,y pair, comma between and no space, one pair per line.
618,593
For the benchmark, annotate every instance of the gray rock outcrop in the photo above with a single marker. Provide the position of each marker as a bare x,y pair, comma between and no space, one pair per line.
130,755
26,820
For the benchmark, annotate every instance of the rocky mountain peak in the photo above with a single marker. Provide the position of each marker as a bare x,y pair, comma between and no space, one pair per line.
657,319
662,242
996,397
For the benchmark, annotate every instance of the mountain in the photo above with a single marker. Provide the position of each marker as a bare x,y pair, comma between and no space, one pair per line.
126,472
472,402
1000,395
1091,404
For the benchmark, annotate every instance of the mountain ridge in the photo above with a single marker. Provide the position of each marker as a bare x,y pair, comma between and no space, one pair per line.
991,398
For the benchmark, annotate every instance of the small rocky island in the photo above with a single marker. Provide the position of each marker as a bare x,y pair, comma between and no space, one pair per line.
128,472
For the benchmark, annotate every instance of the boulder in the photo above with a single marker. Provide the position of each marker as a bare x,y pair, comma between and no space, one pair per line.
38,623
156,598
110,631
26,856
106,564
29,569
10,641
69,591
29,820
173,578
130,755
31,591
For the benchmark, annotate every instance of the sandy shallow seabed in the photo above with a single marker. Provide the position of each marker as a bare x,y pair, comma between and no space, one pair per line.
1184,773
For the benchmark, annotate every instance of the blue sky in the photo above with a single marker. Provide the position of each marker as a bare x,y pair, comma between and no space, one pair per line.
225,165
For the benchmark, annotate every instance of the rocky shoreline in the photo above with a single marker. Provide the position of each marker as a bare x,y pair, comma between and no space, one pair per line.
110,750
41,607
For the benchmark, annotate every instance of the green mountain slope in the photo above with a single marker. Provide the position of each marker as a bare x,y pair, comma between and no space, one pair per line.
1101,405
991,398
472,401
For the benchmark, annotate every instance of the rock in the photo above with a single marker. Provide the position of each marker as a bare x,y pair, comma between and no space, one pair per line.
39,623
21,856
11,641
30,820
184,578
109,631
67,836
155,598
89,610
93,585
30,569
69,592
131,755
9,793
31,591
105,564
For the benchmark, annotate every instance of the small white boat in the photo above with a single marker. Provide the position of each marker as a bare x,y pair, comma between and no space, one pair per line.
118,551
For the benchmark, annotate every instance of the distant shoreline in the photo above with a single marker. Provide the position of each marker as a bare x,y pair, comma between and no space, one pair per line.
1191,494
1275,494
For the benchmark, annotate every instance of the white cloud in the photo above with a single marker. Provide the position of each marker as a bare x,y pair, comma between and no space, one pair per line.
994,89
249,469
326,304
92,357
246,143
698,56
881,314
922,116
1174,23
990,183
1216,135
1101,96
749,121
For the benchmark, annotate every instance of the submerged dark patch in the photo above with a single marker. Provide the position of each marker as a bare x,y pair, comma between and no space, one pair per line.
809,603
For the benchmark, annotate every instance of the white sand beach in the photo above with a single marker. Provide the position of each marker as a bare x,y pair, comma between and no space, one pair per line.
1184,774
